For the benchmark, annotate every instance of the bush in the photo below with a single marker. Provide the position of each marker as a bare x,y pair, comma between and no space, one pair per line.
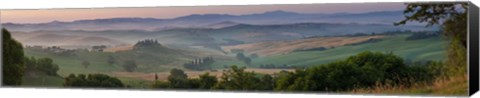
44,65
362,70
13,64
92,80
237,79
207,81
130,65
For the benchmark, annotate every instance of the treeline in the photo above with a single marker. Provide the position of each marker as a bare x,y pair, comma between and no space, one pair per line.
13,60
393,32
245,59
363,70
284,66
44,65
233,79
200,63
147,42
15,64
92,80
422,35
53,50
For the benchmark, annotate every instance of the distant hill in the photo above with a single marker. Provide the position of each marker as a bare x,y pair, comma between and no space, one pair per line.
48,39
222,24
226,33
205,20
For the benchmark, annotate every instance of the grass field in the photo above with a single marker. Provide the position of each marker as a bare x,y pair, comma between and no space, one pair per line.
38,79
455,85
151,61
415,50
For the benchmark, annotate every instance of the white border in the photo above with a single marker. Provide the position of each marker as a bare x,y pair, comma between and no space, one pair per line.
76,93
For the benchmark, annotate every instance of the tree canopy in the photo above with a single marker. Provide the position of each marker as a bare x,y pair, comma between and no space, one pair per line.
92,80
453,19
44,65
13,60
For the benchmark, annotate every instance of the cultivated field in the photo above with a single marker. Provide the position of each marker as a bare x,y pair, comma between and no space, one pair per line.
284,47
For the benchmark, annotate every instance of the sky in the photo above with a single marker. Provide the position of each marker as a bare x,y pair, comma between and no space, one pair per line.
49,15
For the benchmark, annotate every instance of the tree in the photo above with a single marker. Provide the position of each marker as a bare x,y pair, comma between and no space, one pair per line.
178,79
453,19
242,57
365,69
47,66
85,64
156,77
13,60
237,79
207,81
130,65
92,80
266,82
146,43
110,60
99,48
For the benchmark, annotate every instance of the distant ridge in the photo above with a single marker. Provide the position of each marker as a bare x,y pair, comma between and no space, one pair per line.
206,20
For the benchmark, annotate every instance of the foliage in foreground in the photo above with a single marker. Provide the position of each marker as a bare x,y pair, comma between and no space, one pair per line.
13,60
44,65
92,80
360,71
452,79
364,70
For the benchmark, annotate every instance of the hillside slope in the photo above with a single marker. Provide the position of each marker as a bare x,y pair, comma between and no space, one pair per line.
413,50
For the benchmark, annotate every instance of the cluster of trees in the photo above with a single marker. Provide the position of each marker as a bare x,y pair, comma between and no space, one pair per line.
239,79
422,35
13,60
147,42
359,34
179,80
53,50
200,64
130,65
363,70
453,20
44,65
284,66
99,48
311,49
242,57
371,40
92,80
15,64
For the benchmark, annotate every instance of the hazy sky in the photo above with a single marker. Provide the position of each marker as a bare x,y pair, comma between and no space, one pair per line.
48,15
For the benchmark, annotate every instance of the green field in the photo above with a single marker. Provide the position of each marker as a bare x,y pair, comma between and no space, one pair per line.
163,59
38,79
415,50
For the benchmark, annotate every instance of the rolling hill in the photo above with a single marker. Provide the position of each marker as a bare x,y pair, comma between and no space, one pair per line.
433,48
230,34
285,47
64,40
204,20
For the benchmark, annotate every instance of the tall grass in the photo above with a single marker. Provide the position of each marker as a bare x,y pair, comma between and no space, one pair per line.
452,85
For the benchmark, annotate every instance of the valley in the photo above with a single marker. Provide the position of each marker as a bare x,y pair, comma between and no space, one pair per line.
135,49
